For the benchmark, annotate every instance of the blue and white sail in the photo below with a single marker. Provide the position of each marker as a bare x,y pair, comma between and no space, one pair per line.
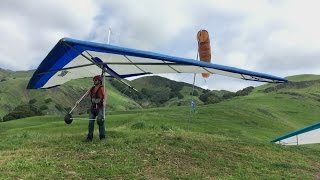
73,59
307,135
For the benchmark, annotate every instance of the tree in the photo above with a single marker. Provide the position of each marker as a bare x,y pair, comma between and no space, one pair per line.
180,96
244,92
22,111
43,107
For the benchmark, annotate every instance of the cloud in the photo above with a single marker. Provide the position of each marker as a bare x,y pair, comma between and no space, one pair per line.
275,37
29,29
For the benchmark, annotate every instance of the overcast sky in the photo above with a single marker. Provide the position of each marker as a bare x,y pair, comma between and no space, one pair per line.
278,37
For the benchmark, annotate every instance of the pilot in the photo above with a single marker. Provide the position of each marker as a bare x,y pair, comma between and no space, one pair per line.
98,99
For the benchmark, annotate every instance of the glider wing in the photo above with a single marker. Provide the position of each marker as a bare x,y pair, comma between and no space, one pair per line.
307,135
73,59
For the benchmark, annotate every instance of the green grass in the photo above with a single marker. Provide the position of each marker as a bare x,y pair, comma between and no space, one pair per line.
229,140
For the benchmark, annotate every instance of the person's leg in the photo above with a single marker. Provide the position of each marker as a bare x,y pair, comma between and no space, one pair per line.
91,126
100,121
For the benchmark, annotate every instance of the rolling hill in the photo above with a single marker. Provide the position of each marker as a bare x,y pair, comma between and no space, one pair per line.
154,91
54,101
225,140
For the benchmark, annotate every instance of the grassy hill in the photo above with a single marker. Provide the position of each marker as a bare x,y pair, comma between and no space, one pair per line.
13,93
226,140
174,93
59,100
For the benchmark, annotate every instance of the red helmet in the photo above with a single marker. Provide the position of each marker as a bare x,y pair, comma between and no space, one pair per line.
97,77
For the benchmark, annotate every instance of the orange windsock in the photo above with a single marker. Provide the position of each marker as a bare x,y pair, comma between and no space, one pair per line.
204,48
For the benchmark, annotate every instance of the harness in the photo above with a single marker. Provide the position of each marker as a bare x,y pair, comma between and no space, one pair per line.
96,101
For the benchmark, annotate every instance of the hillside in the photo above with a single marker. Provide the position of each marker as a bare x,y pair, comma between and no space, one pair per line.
154,91
226,140
176,93
56,100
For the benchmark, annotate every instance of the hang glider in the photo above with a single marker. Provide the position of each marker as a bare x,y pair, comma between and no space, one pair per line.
73,59
307,135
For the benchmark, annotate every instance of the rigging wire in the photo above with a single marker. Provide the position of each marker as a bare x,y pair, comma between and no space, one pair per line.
192,103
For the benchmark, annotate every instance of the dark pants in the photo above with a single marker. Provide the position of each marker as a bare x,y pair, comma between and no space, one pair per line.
100,122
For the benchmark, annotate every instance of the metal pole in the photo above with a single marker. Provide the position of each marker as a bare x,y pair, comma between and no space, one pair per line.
192,104
104,100
78,101
109,34
104,82
83,119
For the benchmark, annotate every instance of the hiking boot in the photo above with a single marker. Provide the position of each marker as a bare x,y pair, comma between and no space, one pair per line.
88,139
102,137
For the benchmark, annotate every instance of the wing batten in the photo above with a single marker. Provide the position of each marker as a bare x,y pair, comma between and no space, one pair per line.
134,64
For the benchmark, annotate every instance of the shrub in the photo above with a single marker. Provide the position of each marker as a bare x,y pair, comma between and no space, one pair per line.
205,91
180,96
195,93
210,97
22,111
43,107
244,92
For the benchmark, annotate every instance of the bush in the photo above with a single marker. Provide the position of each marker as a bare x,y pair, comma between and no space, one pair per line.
204,91
22,111
8,118
210,97
195,93
228,95
43,107
180,96
160,96
2,80
244,92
